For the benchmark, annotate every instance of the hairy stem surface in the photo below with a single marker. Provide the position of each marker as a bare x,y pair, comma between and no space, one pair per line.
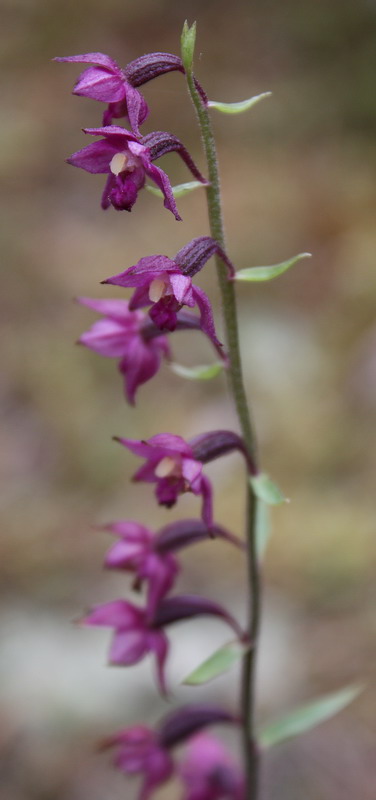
251,757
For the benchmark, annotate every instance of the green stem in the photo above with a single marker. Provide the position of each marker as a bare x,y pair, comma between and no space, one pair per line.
227,288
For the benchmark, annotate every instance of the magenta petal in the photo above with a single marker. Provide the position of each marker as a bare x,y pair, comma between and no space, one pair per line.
116,309
91,58
140,298
116,614
105,199
170,441
129,529
139,365
181,286
136,107
206,313
107,337
142,273
209,771
99,84
160,571
122,554
161,179
128,647
94,158
142,449
114,133
192,470
146,472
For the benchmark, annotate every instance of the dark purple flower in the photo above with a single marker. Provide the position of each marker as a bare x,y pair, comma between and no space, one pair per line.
167,284
138,751
108,83
209,772
171,465
150,555
176,465
127,160
136,634
120,334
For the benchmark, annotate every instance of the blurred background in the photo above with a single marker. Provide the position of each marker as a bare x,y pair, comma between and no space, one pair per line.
298,174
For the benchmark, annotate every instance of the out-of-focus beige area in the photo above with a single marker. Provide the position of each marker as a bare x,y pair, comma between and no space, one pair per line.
298,173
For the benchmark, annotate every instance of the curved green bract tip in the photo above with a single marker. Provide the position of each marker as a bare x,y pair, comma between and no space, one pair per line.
307,717
268,273
238,108
200,373
221,661
178,191
266,490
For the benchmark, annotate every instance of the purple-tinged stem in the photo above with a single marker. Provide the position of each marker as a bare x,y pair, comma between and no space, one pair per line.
213,191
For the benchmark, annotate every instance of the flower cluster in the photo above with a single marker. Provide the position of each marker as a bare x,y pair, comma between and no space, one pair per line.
139,340
207,771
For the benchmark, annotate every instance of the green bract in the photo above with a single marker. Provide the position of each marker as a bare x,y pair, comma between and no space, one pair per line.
200,373
266,490
268,273
238,108
178,191
263,528
219,662
306,717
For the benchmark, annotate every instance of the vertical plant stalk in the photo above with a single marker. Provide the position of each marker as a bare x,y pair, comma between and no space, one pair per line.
227,288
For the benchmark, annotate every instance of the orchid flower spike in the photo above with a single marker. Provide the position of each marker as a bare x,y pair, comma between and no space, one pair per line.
107,82
166,284
147,752
128,160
